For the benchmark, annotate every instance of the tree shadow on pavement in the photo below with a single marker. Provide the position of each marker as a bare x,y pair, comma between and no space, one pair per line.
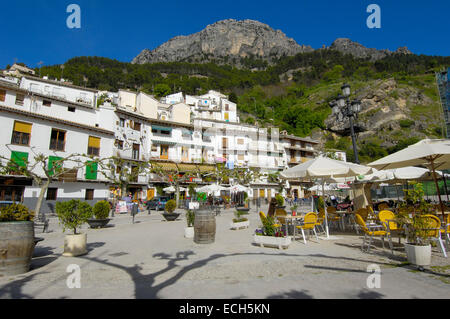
292,294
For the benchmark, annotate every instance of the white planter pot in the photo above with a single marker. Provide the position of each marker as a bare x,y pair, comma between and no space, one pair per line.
75,245
418,255
241,225
269,241
189,232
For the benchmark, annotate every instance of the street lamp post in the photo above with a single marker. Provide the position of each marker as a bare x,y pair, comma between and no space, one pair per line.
343,107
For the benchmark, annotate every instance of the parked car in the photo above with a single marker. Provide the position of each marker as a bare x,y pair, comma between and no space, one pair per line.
157,203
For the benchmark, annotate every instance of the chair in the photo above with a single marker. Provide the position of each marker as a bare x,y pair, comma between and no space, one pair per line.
321,219
446,231
434,230
280,214
369,231
332,216
310,222
383,206
387,219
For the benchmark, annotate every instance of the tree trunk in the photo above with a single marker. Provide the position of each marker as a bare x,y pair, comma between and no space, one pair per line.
44,188
177,186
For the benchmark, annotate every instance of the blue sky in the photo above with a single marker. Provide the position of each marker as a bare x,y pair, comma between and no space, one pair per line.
35,30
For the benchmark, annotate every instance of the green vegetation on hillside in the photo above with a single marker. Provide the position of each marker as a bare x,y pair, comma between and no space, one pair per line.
265,96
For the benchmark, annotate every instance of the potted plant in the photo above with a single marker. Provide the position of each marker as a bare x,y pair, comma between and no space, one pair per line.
294,209
72,215
418,245
169,214
190,219
268,236
16,239
240,222
100,212
280,201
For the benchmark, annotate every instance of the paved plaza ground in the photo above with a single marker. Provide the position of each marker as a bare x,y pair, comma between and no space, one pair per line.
152,259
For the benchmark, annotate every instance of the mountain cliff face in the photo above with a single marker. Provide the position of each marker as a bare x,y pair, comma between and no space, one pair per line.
228,41
224,40
347,46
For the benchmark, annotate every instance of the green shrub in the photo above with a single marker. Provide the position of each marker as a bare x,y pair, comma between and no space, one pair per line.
101,210
406,123
73,214
171,205
239,218
15,213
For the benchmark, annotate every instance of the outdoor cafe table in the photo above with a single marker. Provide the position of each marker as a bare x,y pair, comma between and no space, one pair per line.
290,219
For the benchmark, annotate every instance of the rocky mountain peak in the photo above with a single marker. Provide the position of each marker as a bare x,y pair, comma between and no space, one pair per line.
224,40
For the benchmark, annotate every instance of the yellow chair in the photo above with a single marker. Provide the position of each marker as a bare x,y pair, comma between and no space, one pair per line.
321,219
369,231
434,230
280,214
387,218
446,231
333,217
309,223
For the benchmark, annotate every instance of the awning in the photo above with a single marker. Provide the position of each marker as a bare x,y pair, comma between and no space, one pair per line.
161,128
157,142
187,167
206,168
166,166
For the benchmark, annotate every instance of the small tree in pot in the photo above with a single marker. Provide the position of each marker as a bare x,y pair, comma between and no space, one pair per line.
16,239
170,207
100,212
190,220
419,224
72,215
280,201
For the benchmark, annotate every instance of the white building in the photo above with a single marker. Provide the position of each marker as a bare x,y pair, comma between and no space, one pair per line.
36,123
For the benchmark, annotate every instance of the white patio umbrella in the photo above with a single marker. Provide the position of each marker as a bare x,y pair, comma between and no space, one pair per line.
169,189
213,188
324,168
432,153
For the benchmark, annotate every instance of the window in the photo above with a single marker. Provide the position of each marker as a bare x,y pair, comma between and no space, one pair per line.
91,170
135,154
119,144
47,103
2,95
240,141
94,146
122,122
154,148
227,107
20,159
52,193
89,194
137,126
21,133
71,109
57,140
19,99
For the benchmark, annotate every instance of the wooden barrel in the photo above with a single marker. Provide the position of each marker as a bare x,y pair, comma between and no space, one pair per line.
16,247
204,227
